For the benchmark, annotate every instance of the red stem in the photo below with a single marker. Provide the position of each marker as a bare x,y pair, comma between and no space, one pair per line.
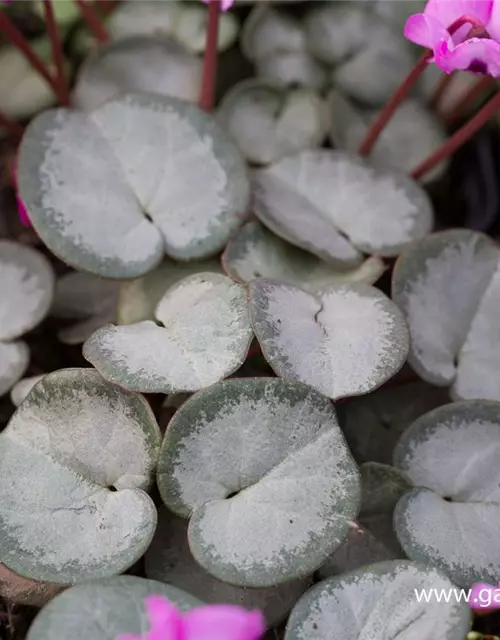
12,127
57,53
18,40
93,21
405,87
441,88
472,94
459,138
206,101
394,102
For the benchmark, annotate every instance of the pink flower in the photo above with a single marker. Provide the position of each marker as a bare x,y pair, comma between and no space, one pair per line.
224,5
472,43
211,622
484,598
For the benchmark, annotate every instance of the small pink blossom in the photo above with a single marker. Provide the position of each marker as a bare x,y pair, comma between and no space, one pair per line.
484,598
474,46
210,622
224,5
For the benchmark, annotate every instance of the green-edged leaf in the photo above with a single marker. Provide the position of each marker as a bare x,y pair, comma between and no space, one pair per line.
255,252
21,389
138,298
448,287
23,92
191,28
73,439
337,206
261,468
88,298
205,336
371,57
267,31
379,602
452,518
411,135
372,424
103,609
26,289
170,560
267,121
14,360
112,204
146,18
66,12
345,341
138,63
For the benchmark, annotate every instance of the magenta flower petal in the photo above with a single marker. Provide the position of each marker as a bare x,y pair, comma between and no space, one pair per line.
484,598
223,622
165,619
426,31
448,11
478,55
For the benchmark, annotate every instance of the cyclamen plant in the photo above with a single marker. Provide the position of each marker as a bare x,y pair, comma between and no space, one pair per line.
300,469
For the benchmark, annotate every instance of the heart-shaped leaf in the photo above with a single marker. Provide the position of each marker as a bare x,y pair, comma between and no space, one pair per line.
371,57
75,460
261,468
21,389
452,518
345,341
205,336
169,559
138,63
23,91
337,206
85,297
103,609
255,252
372,424
411,135
139,298
26,289
146,18
112,204
448,287
379,602
269,122
267,31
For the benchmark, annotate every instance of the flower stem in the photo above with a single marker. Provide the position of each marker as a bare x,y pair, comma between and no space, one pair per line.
11,127
93,21
57,53
8,28
441,88
206,101
391,106
459,138
407,84
468,97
